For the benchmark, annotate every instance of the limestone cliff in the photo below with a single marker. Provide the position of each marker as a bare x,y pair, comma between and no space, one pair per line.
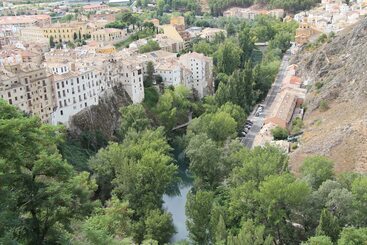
102,118
336,114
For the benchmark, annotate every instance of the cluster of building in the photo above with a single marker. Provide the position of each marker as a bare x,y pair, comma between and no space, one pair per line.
38,28
58,83
329,16
174,37
55,84
251,12
67,81
285,108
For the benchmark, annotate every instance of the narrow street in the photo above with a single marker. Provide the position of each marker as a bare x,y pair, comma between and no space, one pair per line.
274,90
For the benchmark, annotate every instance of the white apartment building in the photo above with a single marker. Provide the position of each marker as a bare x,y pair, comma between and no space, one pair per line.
170,72
173,73
75,89
131,77
201,68
81,77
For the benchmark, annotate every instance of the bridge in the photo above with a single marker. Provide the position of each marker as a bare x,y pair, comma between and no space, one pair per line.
184,125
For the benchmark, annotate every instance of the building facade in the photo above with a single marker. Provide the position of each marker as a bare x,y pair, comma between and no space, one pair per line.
108,35
201,68
29,87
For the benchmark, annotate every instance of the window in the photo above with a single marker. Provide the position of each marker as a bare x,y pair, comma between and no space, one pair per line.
10,102
9,94
61,113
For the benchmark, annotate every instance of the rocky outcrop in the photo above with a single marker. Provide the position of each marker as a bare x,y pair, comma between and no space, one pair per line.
337,74
102,119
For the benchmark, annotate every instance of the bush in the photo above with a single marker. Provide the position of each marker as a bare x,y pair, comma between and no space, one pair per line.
319,85
279,133
151,97
297,125
149,47
323,105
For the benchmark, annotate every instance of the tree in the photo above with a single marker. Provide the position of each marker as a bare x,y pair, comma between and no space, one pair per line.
279,133
228,57
159,226
221,127
204,158
204,47
236,112
316,170
52,43
150,75
318,240
109,225
149,47
328,225
247,44
282,41
209,124
75,36
160,6
359,190
258,164
264,75
280,198
133,117
231,29
41,193
220,231
198,211
250,233
173,107
238,89
80,35
353,236
141,170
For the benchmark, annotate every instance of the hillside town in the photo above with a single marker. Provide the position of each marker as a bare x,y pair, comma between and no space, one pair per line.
183,122
76,77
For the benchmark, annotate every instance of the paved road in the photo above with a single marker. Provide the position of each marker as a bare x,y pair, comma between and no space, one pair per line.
274,90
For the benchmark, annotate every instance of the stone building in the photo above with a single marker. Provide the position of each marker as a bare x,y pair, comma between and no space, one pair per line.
29,87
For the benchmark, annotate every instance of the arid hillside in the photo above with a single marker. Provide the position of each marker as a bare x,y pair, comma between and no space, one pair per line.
336,115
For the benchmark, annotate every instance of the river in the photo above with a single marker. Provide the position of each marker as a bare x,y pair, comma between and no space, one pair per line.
175,204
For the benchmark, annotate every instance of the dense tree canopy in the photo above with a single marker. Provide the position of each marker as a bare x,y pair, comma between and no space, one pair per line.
41,192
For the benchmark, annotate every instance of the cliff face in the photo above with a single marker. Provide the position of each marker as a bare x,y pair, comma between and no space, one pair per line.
336,114
102,118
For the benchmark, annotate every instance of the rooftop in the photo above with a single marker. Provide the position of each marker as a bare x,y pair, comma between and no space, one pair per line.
20,19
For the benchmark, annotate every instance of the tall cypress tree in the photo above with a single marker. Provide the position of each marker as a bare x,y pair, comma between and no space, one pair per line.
328,225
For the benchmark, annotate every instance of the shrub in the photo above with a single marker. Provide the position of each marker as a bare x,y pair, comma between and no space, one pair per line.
323,105
297,125
319,85
279,133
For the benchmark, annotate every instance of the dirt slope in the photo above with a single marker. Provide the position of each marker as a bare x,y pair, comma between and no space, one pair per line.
341,131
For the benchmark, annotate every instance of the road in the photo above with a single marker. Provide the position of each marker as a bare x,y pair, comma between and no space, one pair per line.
274,90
